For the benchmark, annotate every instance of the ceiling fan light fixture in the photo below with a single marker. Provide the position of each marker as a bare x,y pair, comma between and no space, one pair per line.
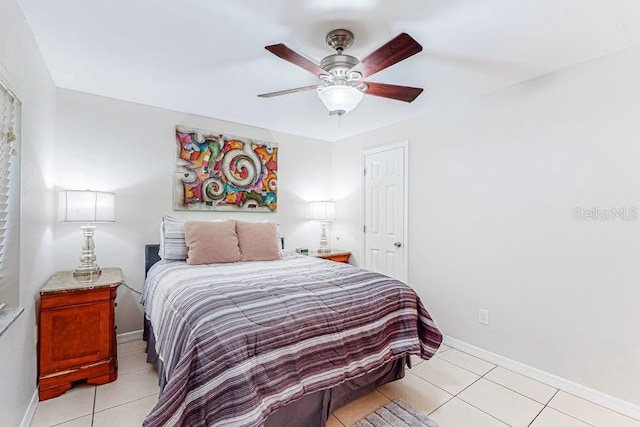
341,86
340,99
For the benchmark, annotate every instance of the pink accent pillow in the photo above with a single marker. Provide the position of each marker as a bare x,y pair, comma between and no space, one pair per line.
211,242
258,241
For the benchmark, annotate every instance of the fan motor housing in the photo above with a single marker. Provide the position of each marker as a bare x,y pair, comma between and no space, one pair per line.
338,64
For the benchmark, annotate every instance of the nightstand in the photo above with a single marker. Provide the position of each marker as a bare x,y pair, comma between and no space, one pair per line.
77,335
332,255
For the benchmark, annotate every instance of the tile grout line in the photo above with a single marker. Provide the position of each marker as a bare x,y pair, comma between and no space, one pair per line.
442,351
551,398
537,415
67,421
429,382
132,371
453,396
341,423
488,372
435,385
544,407
597,404
472,405
614,411
438,407
507,388
521,394
482,410
469,370
124,403
131,351
569,415
375,390
93,410
462,391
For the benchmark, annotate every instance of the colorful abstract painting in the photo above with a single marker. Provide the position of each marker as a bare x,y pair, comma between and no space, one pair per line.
221,172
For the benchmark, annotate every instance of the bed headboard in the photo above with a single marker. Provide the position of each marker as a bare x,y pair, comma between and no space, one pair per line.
151,255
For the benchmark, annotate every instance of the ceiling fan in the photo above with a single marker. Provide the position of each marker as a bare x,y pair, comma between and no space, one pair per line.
342,85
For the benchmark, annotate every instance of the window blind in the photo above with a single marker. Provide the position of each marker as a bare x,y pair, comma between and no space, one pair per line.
7,137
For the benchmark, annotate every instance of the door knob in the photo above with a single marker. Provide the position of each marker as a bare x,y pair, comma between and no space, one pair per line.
397,244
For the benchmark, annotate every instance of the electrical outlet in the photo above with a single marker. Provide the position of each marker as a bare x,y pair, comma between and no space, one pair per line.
483,316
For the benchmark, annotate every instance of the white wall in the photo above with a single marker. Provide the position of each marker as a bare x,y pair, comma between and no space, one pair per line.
21,65
128,148
492,188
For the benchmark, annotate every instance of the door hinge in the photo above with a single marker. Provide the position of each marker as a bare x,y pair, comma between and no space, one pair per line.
364,228
365,171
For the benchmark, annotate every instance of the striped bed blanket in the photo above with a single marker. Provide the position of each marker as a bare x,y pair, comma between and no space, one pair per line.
240,340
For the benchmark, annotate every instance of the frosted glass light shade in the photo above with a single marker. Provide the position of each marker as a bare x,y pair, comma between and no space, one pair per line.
322,211
340,99
86,206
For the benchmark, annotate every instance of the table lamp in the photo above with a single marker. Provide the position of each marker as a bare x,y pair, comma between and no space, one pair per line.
88,207
323,211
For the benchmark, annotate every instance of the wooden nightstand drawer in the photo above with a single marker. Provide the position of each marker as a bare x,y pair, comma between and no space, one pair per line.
63,299
76,335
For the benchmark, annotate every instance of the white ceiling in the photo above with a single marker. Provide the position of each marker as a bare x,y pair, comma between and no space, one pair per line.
207,57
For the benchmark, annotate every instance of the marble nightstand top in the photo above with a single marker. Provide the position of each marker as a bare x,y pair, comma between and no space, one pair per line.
63,281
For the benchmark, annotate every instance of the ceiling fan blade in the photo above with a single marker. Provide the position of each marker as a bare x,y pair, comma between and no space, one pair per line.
401,93
295,58
399,48
287,91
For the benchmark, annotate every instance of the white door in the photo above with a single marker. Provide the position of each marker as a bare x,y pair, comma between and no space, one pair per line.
385,208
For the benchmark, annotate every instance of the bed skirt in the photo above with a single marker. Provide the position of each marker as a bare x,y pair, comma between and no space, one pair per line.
311,410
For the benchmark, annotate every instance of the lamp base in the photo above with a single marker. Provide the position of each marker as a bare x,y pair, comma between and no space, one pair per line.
84,270
88,270
85,273
324,241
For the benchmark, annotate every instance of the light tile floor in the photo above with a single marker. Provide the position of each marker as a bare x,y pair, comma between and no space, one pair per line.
454,388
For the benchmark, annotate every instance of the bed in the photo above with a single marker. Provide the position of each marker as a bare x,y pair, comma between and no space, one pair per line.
275,343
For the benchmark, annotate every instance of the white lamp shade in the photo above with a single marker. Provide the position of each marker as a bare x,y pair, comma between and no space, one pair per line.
322,211
86,206
340,99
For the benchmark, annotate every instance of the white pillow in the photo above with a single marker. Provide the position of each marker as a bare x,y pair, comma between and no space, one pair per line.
172,242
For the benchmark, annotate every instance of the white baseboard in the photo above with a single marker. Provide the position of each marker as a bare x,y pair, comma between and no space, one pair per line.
129,336
627,408
31,410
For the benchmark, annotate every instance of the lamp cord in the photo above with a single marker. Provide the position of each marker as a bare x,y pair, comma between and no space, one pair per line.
130,288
